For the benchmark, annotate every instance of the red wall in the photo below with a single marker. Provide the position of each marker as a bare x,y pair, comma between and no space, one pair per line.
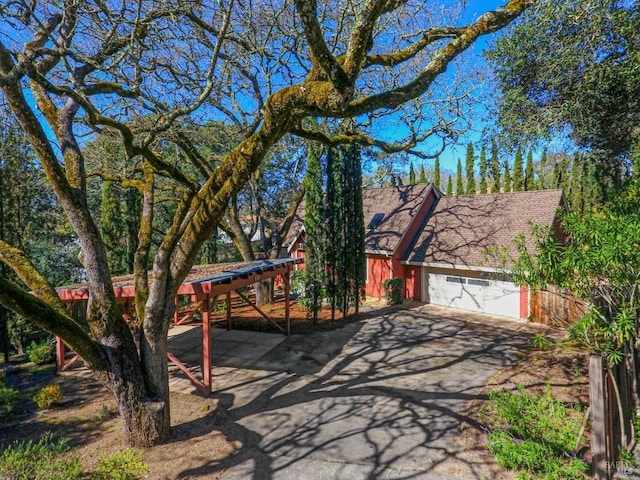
413,282
379,270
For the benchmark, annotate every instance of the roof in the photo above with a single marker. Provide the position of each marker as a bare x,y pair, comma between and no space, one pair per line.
393,208
201,278
463,227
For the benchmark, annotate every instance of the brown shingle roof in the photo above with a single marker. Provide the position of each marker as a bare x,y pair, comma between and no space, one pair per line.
463,227
398,204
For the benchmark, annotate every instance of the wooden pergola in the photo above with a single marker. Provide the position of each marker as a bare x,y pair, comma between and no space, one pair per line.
200,291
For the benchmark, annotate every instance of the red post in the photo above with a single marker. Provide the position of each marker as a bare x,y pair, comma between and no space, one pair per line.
228,310
287,287
59,353
206,343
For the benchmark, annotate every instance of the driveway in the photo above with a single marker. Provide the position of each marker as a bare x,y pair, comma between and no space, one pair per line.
382,398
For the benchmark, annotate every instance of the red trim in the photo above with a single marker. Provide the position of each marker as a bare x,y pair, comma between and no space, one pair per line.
524,301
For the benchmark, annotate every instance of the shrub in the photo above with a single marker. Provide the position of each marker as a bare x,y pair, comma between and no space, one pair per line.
534,435
393,291
8,397
48,395
126,465
41,353
42,460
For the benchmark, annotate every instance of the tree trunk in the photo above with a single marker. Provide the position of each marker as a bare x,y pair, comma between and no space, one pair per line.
264,292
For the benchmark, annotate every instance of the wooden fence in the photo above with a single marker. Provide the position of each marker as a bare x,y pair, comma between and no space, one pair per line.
611,399
556,307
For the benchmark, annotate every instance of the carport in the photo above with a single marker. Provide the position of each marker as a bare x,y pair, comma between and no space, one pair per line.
202,289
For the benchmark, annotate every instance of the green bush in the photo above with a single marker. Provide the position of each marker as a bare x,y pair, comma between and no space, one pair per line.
126,465
41,353
48,395
39,461
393,291
8,397
534,435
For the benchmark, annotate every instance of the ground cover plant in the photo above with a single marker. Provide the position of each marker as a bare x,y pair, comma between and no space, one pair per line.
52,459
536,436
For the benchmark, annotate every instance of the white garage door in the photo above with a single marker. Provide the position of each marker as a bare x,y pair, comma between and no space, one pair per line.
496,297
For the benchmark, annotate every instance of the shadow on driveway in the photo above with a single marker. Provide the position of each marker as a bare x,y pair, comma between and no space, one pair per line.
381,398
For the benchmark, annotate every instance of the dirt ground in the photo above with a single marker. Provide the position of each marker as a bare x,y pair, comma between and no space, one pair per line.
88,417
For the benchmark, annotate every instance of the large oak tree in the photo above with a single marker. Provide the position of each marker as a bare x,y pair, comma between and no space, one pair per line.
71,68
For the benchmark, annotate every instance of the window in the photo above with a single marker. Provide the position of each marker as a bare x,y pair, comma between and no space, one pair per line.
375,221
478,282
456,280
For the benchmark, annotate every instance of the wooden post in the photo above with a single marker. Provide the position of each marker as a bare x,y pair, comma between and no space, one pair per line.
59,353
176,315
598,402
229,310
206,343
287,287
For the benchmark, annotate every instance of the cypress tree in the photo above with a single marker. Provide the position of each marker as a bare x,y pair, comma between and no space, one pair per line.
353,230
518,172
449,186
507,177
459,181
483,169
529,180
542,174
111,223
436,173
494,166
314,237
333,240
471,181
423,175
575,185
412,174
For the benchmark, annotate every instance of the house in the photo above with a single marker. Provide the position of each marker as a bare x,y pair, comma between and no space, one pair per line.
449,250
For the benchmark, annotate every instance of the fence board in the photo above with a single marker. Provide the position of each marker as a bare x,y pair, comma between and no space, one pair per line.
556,307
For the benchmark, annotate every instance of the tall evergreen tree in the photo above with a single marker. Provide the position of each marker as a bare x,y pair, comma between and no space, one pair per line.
507,177
436,173
483,169
412,174
459,180
529,179
111,226
469,161
575,190
333,240
518,172
494,166
353,230
314,233
542,174
423,175
449,186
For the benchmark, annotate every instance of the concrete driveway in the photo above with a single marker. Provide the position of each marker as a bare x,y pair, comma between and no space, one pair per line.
382,398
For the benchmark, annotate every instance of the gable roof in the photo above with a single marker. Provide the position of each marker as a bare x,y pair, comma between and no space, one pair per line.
391,208
463,227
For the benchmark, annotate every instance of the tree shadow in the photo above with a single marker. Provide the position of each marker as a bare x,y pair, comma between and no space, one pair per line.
388,404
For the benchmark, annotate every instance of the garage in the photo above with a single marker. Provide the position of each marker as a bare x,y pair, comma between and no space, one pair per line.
477,294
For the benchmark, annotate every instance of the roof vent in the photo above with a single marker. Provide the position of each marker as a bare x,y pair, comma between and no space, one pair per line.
375,221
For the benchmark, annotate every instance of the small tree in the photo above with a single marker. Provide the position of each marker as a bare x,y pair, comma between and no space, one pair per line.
602,266
471,180
518,172
436,173
483,169
423,175
412,174
459,179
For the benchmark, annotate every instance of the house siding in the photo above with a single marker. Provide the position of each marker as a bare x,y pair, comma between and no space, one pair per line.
378,270
413,282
